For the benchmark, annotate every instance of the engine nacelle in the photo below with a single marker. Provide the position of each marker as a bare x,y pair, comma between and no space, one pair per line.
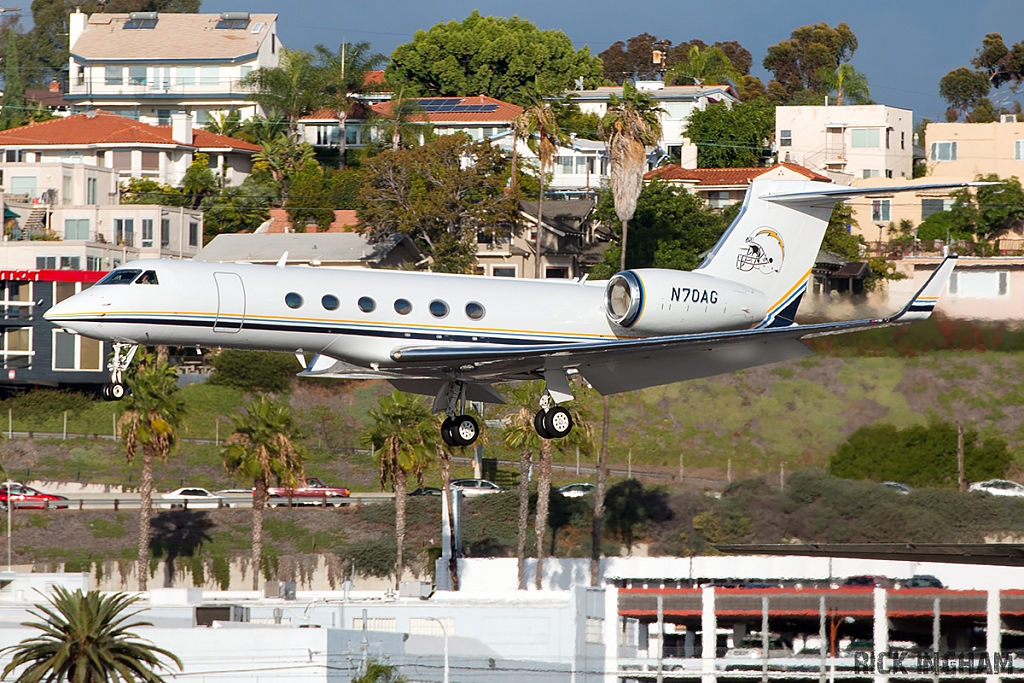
654,301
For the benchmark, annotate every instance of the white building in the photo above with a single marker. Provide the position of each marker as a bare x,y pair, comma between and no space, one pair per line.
856,141
148,65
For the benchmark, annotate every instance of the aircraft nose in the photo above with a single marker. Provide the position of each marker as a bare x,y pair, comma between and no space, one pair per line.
65,313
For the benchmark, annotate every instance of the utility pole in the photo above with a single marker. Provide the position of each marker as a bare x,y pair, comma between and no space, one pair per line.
960,457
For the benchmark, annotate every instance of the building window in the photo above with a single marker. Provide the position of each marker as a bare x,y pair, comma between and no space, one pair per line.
137,75
556,273
202,117
75,352
165,232
870,172
581,165
113,75
785,138
903,140
46,263
150,160
91,191
186,75
930,207
122,160
375,624
943,151
147,232
864,138
124,232
163,117
245,70
14,155
595,630
70,262
94,263
718,199
888,132
880,210
1018,150
419,626
76,228
209,75
888,173
193,234
352,136
503,271
990,284
67,191
17,347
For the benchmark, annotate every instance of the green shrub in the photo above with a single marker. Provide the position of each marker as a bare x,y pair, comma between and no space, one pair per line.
918,455
42,404
374,556
254,370
102,528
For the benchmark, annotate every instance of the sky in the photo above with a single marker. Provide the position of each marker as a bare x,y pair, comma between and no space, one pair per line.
905,46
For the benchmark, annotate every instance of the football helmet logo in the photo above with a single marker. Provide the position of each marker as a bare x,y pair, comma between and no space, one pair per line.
763,251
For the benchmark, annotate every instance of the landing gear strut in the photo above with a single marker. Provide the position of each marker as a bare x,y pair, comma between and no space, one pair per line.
459,429
119,362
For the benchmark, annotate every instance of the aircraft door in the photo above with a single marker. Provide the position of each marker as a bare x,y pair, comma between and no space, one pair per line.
230,303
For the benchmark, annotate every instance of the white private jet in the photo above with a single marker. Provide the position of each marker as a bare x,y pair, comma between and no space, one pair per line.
453,336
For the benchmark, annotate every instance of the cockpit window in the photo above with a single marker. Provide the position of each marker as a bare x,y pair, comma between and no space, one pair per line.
148,278
120,277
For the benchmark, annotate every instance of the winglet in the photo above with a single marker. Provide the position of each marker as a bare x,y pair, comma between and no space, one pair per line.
921,306
283,261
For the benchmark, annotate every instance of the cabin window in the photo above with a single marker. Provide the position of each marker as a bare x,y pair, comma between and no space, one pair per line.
120,277
293,299
366,304
330,302
148,278
474,311
403,306
438,309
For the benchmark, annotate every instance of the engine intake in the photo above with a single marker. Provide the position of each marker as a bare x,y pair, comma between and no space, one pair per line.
624,299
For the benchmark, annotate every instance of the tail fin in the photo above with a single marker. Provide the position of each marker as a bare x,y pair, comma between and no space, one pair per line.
772,245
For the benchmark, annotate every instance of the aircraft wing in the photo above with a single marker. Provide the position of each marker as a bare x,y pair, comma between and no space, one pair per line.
613,366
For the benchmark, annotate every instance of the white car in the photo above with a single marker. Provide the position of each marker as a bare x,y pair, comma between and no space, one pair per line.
476,487
191,497
999,487
576,490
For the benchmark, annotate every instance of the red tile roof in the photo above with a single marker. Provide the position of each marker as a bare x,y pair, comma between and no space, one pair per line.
344,221
358,111
373,77
100,127
725,176
504,111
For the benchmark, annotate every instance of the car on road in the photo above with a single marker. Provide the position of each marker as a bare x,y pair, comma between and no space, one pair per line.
190,497
869,581
311,491
998,487
426,491
27,498
472,488
922,581
576,490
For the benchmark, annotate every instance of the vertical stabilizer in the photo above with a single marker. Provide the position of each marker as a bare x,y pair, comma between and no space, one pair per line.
772,245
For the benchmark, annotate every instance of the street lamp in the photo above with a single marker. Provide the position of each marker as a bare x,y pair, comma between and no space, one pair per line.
445,632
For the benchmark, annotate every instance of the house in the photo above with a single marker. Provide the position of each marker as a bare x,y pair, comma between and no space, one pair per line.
963,151
722,187
149,65
328,250
570,242
677,103
51,98
132,148
344,221
847,142
34,352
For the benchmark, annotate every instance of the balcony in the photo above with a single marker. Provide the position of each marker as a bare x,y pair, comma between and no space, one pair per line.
161,88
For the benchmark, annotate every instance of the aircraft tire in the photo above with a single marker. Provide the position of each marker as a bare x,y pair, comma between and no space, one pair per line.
105,392
446,432
557,422
538,424
465,430
118,391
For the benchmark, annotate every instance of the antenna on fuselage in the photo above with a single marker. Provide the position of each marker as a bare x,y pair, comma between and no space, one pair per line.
283,261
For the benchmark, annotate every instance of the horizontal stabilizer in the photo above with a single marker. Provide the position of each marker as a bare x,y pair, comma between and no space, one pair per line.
841,192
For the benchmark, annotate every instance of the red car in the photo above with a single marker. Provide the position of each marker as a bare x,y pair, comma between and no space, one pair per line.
313,492
27,498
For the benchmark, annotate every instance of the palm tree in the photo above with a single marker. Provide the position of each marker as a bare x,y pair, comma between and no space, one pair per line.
630,126
345,75
602,460
229,124
402,436
85,639
396,127
262,448
707,66
293,88
847,83
153,414
539,127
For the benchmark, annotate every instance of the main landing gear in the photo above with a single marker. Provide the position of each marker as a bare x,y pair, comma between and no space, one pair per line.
460,429
119,362
552,423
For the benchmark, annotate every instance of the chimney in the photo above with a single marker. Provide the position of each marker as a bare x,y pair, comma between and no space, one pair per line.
55,85
181,127
76,26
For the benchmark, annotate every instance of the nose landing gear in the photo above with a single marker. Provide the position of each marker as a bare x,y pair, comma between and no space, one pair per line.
119,362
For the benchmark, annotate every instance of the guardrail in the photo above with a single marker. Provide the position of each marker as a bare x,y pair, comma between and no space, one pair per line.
131,502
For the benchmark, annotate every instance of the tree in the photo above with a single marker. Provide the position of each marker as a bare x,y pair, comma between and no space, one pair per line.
307,198
632,59
403,125
839,237
572,121
153,415
429,194
263,448
260,130
708,66
378,672
85,639
229,124
539,127
149,191
848,84
402,436
293,88
281,158
599,493
964,90
629,127
345,75
199,181
237,208
732,137
671,229
797,62
988,210
12,113
629,504
507,59
1000,65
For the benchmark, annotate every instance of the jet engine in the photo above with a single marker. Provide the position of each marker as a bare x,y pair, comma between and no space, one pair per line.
654,301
